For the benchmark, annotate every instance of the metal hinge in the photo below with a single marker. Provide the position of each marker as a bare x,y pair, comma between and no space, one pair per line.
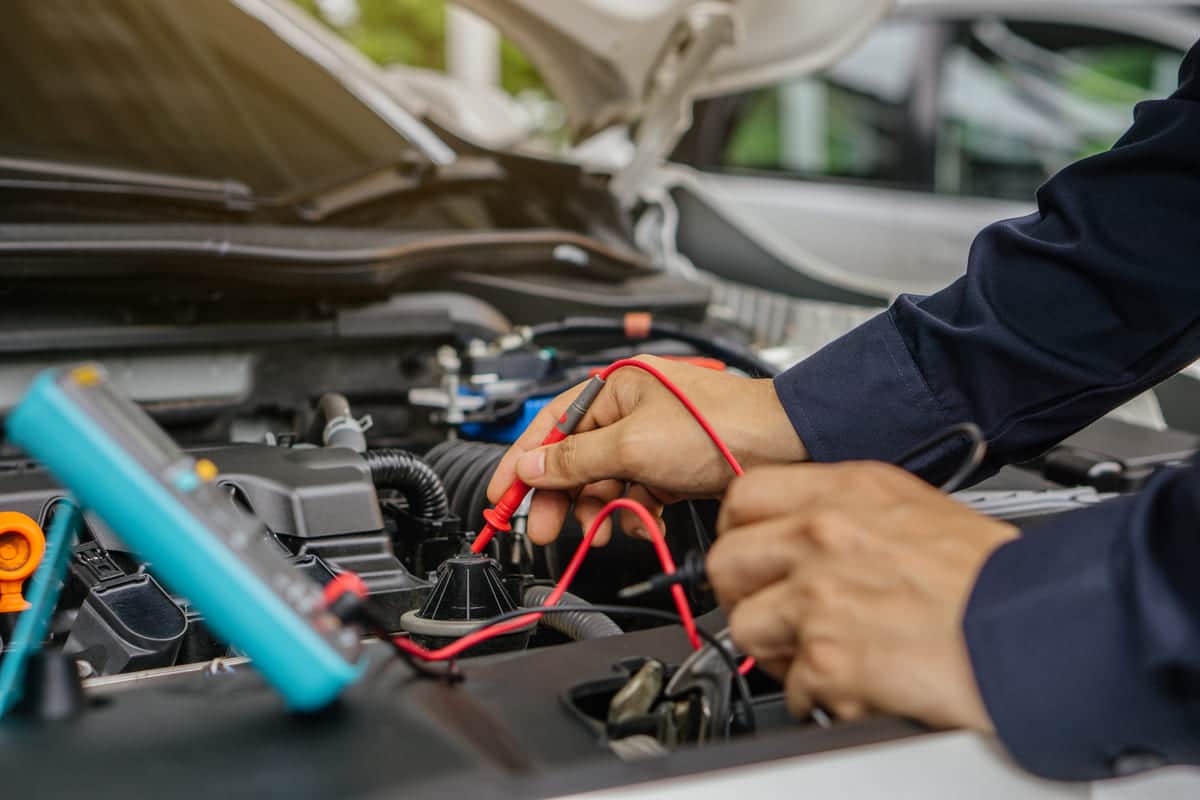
704,30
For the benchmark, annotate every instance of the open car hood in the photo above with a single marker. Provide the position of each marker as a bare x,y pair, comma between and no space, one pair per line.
615,62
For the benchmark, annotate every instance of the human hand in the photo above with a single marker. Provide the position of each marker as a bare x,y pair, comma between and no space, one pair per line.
848,583
638,441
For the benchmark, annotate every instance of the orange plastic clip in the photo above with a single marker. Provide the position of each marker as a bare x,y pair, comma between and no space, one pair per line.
22,545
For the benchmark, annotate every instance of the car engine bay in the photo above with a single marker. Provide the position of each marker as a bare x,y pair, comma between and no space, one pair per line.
369,451
288,323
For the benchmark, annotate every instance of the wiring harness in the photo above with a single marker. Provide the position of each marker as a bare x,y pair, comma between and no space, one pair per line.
499,519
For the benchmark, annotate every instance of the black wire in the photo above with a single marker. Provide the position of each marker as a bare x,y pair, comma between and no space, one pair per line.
451,674
743,689
734,353
971,463
702,537
374,626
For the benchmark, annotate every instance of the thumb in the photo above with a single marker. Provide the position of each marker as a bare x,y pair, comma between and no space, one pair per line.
578,460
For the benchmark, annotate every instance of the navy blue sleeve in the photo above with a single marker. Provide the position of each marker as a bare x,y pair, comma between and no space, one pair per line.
1062,315
1084,636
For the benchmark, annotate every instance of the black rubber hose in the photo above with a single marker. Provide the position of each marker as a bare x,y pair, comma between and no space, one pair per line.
413,478
466,468
732,352
339,428
576,626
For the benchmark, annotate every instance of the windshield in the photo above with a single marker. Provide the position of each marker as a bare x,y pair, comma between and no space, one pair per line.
205,90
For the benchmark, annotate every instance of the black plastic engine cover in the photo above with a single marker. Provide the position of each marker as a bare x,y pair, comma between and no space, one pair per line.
302,492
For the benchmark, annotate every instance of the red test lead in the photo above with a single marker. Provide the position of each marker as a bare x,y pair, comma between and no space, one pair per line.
500,518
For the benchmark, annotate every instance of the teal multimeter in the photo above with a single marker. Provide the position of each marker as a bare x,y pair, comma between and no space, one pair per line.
167,507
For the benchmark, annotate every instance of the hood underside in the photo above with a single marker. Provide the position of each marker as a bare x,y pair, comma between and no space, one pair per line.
607,60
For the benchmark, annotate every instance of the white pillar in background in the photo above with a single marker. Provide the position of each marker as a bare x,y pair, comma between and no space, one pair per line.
804,126
472,48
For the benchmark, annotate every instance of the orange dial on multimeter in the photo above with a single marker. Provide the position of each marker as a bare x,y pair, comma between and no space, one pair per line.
22,545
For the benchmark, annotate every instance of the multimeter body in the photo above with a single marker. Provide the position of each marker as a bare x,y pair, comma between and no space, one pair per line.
167,507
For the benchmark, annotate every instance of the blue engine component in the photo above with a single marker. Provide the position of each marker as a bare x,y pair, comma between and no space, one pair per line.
506,433
168,508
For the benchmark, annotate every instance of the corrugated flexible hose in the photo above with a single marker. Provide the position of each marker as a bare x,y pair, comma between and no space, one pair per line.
576,626
413,478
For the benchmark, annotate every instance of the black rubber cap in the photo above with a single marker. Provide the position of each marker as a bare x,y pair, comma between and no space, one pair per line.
468,592
469,588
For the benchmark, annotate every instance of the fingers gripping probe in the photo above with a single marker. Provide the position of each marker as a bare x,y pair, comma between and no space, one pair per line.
499,518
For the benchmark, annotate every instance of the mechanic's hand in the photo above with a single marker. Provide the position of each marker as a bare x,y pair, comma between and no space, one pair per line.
638,441
848,582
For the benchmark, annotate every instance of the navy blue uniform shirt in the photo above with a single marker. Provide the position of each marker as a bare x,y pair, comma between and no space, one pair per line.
1085,633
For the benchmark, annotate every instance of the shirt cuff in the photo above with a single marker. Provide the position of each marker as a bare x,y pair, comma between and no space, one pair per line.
863,397
1055,647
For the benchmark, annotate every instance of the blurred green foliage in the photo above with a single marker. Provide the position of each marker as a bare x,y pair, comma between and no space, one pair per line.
412,32
756,141
1118,73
